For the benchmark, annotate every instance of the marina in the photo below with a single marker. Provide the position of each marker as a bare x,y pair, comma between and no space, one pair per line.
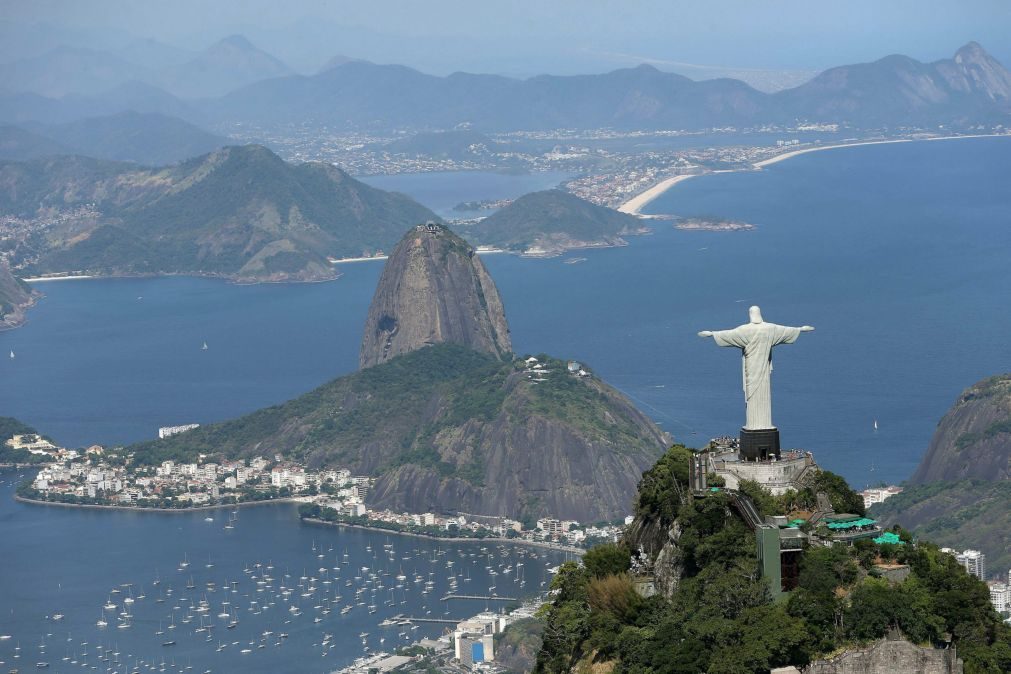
129,592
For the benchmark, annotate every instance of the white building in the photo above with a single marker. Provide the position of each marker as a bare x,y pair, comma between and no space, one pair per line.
879,494
999,596
974,562
169,431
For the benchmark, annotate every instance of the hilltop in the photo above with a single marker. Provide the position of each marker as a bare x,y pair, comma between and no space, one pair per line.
553,221
434,289
471,434
718,616
443,415
239,212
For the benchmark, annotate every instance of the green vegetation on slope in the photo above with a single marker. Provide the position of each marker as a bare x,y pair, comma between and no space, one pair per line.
551,218
433,390
972,514
447,428
15,294
10,427
240,212
721,619
331,423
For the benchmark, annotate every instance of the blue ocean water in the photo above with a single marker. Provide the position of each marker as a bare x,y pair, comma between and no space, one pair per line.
441,191
72,562
897,254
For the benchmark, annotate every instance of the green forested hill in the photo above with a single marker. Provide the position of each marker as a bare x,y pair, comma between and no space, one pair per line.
445,428
553,220
239,212
717,615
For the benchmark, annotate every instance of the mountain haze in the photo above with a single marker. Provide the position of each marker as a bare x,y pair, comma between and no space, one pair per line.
228,64
149,138
893,91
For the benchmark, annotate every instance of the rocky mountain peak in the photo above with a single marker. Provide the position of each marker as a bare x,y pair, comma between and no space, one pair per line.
434,289
973,440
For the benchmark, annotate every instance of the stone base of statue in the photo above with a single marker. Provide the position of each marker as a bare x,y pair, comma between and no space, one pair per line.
759,445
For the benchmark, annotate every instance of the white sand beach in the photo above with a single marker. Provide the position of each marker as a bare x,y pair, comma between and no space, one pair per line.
638,202
40,279
635,205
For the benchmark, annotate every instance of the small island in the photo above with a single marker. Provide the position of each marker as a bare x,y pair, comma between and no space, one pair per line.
708,224
482,205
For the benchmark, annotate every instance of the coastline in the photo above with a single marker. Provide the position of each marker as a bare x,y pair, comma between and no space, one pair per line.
96,506
454,539
635,205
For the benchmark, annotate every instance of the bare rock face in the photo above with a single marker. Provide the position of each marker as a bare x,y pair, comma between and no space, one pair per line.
973,440
890,657
15,297
433,289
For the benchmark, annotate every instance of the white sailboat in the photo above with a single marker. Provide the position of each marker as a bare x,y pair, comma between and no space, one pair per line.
875,424
12,354
204,347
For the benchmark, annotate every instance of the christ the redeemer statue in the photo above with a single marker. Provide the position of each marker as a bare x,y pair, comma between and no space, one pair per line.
755,340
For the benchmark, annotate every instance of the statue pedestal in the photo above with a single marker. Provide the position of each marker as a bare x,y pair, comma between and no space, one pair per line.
759,445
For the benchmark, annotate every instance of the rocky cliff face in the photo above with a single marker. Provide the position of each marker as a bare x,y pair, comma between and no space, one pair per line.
973,440
889,657
15,297
433,289
449,429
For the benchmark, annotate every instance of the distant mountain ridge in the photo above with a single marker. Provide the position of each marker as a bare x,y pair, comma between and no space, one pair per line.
151,139
895,90
229,63
253,87
239,212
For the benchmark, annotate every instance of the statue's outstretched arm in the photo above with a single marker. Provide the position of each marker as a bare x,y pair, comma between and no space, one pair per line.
706,333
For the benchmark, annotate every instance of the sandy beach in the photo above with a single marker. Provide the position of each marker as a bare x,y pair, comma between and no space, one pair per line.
635,205
40,279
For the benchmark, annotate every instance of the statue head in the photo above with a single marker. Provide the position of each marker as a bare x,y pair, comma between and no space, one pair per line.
755,314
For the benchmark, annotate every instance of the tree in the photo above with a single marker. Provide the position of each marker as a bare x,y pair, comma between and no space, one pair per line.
607,559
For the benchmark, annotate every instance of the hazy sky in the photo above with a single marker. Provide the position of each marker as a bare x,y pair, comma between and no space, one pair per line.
524,37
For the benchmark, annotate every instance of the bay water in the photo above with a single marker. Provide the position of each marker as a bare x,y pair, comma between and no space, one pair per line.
897,254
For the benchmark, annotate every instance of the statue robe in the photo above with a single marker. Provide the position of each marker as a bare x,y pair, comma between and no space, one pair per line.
755,340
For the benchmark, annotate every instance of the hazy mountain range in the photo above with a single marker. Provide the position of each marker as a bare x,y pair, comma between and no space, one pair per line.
149,138
253,87
227,64
239,212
